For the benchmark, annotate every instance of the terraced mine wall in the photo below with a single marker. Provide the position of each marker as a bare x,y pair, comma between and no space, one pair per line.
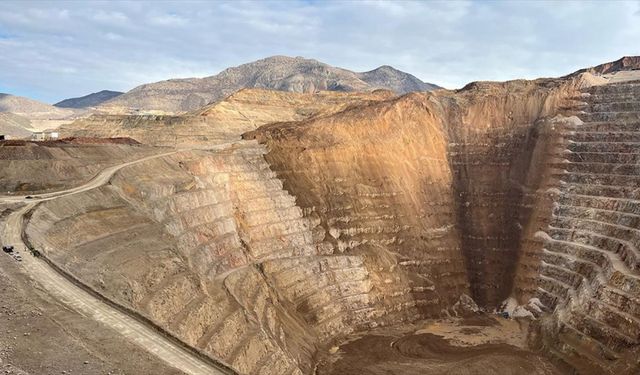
209,246
588,269
435,187
382,213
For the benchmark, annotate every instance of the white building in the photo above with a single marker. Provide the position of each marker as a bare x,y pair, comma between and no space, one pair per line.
45,135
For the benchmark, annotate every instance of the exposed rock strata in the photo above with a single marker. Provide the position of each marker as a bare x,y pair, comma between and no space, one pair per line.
436,182
368,212
588,268
214,249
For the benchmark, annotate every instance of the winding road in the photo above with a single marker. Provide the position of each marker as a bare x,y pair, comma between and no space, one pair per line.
85,303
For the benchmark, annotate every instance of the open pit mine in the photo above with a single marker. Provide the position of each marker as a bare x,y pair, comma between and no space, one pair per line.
493,229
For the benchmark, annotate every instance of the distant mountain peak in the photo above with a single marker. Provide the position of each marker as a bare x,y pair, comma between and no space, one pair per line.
385,68
91,100
388,77
283,73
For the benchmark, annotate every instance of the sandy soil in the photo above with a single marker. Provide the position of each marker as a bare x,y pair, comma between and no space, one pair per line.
480,345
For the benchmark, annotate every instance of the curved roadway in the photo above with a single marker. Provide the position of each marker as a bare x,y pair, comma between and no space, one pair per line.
86,304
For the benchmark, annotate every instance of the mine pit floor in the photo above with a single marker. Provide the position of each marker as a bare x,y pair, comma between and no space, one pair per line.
479,345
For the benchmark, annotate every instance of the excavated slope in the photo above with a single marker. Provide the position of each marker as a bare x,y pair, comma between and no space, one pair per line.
533,206
210,246
361,214
587,269
435,182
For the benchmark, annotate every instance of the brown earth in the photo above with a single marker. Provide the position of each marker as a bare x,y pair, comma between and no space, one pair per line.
361,215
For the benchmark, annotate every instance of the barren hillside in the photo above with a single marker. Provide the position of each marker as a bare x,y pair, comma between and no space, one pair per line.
15,126
220,122
31,108
342,233
278,73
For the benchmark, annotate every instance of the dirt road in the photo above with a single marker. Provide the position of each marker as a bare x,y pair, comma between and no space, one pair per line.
85,303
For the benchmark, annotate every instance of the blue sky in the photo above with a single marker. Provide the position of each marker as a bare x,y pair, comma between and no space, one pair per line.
55,50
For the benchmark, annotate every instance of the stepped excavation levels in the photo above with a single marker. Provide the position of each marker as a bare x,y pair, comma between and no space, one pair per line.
351,233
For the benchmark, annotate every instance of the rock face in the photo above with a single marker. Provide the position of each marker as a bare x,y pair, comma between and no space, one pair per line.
278,73
341,213
434,179
216,251
90,100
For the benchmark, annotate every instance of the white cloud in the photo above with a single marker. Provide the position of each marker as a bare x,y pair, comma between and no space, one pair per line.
167,20
113,36
110,17
58,49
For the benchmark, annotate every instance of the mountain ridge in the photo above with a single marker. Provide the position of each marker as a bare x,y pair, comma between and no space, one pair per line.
90,100
31,108
282,73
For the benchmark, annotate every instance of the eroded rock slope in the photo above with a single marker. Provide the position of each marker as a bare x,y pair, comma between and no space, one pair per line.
356,211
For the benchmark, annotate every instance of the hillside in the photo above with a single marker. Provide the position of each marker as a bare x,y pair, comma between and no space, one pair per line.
31,108
243,111
278,73
14,126
90,100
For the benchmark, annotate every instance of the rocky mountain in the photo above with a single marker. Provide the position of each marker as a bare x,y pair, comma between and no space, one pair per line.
389,78
278,73
90,100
